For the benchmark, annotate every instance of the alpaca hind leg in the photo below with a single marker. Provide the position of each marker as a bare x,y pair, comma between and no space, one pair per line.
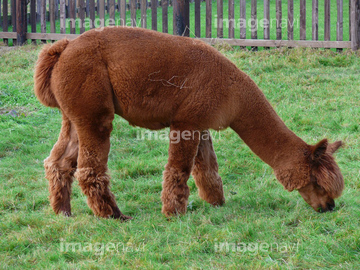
94,141
182,153
60,167
205,172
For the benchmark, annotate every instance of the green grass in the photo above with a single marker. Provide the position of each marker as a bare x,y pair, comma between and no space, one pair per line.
260,16
316,93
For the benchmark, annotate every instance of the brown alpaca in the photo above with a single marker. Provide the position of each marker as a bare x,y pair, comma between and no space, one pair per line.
156,80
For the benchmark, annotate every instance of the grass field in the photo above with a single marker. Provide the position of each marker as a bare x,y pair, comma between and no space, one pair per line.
260,16
316,93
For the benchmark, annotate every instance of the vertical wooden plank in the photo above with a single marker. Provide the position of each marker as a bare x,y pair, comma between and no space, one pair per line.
266,20
315,20
290,19
13,18
254,22
143,7
33,18
52,15
82,15
13,14
327,20
122,12
220,19
133,12
350,3
243,19
57,9
87,9
154,4
181,17
101,8
62,17
5,19
355,36
231,19
208,18
21,22
43,18
72,16
165,21
1,22
92,13
38,10
302,19
339,22
278,20
197,18
111,9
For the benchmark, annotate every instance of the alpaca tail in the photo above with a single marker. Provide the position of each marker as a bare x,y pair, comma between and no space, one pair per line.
48,57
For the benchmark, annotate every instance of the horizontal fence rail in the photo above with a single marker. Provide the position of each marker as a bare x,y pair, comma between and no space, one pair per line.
245,23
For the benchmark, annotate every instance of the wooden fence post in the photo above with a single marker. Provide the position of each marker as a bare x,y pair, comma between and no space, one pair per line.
165,11
290,19
327,20
154,5
181,17
243,20
354,18
197,18
278,20
208,18
302,19
315,20
339,23
254,24
21,24
5,19
33,16
143,7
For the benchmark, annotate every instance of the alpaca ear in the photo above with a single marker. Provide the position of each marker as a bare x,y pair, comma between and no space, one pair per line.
334,146
319,149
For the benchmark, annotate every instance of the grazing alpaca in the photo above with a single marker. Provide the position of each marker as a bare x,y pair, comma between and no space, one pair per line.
156,80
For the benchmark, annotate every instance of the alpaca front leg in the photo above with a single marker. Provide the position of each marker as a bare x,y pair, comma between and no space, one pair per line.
205,172
60,167
95,183
94,141
182,153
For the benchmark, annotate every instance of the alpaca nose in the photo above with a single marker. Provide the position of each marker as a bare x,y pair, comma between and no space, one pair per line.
329,207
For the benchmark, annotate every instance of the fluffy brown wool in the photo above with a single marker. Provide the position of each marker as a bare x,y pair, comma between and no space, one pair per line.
156,80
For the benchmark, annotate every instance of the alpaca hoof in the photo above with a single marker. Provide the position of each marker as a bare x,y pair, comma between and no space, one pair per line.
66,213
124,218
218,203
170,212
118,215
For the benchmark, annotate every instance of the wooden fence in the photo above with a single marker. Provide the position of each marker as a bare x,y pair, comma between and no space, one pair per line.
22,20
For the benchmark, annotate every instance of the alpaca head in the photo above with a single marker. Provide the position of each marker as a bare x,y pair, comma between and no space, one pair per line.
316,176
326,181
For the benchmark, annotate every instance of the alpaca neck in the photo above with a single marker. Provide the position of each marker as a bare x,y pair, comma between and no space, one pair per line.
262,130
